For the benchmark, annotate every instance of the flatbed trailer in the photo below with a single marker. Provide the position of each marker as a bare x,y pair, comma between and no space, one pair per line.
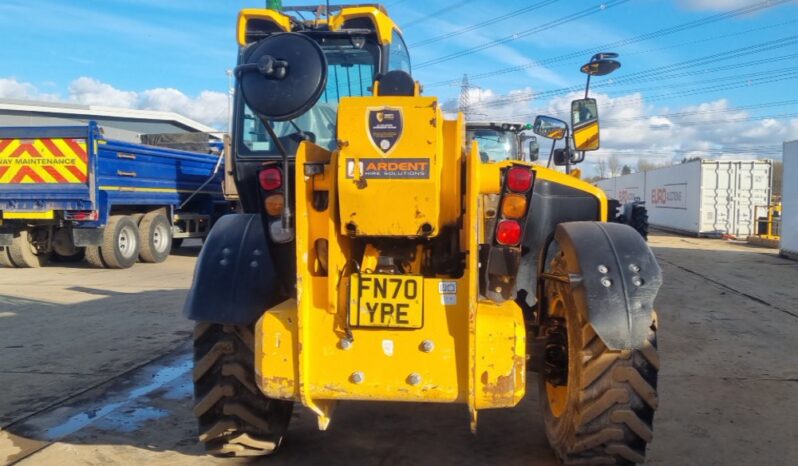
67,192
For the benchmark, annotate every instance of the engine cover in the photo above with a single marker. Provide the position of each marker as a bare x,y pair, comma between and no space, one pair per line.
390,162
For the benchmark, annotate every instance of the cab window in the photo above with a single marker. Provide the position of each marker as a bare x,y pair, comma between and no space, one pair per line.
494,145
398,57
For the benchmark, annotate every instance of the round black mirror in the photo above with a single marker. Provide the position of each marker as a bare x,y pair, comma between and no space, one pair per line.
282,76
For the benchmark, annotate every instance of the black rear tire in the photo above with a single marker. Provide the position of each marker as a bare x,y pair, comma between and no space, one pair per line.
604,412
234,417
120,248
639,220
155,238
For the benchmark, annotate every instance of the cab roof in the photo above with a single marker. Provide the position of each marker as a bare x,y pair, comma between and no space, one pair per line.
256,23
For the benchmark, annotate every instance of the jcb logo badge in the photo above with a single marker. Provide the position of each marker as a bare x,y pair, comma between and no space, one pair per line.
384,127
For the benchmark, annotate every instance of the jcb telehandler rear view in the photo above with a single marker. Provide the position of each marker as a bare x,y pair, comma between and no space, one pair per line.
379,260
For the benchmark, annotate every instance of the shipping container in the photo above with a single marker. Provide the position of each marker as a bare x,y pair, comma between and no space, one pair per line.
789,206
707,197
703,197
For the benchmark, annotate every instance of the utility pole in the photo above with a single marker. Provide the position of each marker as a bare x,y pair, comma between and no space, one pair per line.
464,103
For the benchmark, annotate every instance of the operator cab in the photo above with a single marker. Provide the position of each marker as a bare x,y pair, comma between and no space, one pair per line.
499,142
360,45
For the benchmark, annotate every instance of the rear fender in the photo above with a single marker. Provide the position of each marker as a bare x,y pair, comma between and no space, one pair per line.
614,278
235,280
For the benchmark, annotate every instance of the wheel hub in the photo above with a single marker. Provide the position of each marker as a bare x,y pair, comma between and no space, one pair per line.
555,354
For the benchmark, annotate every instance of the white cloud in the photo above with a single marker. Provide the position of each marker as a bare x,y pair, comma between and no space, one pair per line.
208,107
89,91
10,88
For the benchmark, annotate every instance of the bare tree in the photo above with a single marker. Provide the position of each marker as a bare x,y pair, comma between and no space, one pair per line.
601,168
644,165
614,166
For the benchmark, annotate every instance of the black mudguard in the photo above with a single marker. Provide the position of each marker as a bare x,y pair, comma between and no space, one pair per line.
235,280
622,312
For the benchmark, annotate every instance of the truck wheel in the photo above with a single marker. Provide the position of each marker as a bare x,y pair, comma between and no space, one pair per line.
234,417
155,237
639,220
64,249
5,258
120,247
598,404
23,251
94,257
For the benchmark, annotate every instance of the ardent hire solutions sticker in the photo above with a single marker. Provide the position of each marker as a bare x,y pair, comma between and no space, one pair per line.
417,168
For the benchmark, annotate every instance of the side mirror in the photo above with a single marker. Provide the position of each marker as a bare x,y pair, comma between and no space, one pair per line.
534,149
585,124
282,76
550,127
562,157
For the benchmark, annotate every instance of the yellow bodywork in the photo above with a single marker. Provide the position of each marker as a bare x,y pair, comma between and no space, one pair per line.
386,187
383,24
467,350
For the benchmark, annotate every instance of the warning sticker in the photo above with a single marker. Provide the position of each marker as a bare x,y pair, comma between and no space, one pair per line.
385,127
417,168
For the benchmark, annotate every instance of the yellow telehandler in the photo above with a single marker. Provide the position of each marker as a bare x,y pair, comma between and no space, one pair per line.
378,259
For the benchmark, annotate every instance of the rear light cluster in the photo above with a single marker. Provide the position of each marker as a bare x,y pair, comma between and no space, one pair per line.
81,215
270,180
515,199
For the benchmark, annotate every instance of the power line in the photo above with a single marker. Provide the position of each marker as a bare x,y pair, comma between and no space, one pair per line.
543,27
661,72
483,24
435,13
705,112
625,42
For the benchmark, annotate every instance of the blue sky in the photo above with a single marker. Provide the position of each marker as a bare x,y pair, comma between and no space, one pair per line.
173,55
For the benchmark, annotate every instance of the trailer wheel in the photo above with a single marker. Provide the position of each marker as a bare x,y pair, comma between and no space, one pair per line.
234,417
23,251
598,404
5,258
155,237
120,247
94,257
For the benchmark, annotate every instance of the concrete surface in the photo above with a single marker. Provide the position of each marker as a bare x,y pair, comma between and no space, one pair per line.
728,385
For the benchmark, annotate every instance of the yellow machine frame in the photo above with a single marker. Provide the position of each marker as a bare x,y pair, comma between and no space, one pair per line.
470,350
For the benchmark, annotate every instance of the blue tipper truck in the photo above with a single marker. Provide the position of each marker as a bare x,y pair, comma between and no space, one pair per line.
67,192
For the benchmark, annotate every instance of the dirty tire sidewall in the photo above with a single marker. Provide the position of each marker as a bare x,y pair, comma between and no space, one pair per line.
23,253
94,257
611,399
234,417
5,258
155,238
120,248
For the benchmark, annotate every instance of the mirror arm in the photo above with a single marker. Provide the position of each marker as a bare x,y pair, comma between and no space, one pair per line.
286,218
551,153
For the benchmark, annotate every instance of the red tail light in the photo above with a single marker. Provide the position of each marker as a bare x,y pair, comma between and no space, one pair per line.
519,179
81,215
270,179
508,233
